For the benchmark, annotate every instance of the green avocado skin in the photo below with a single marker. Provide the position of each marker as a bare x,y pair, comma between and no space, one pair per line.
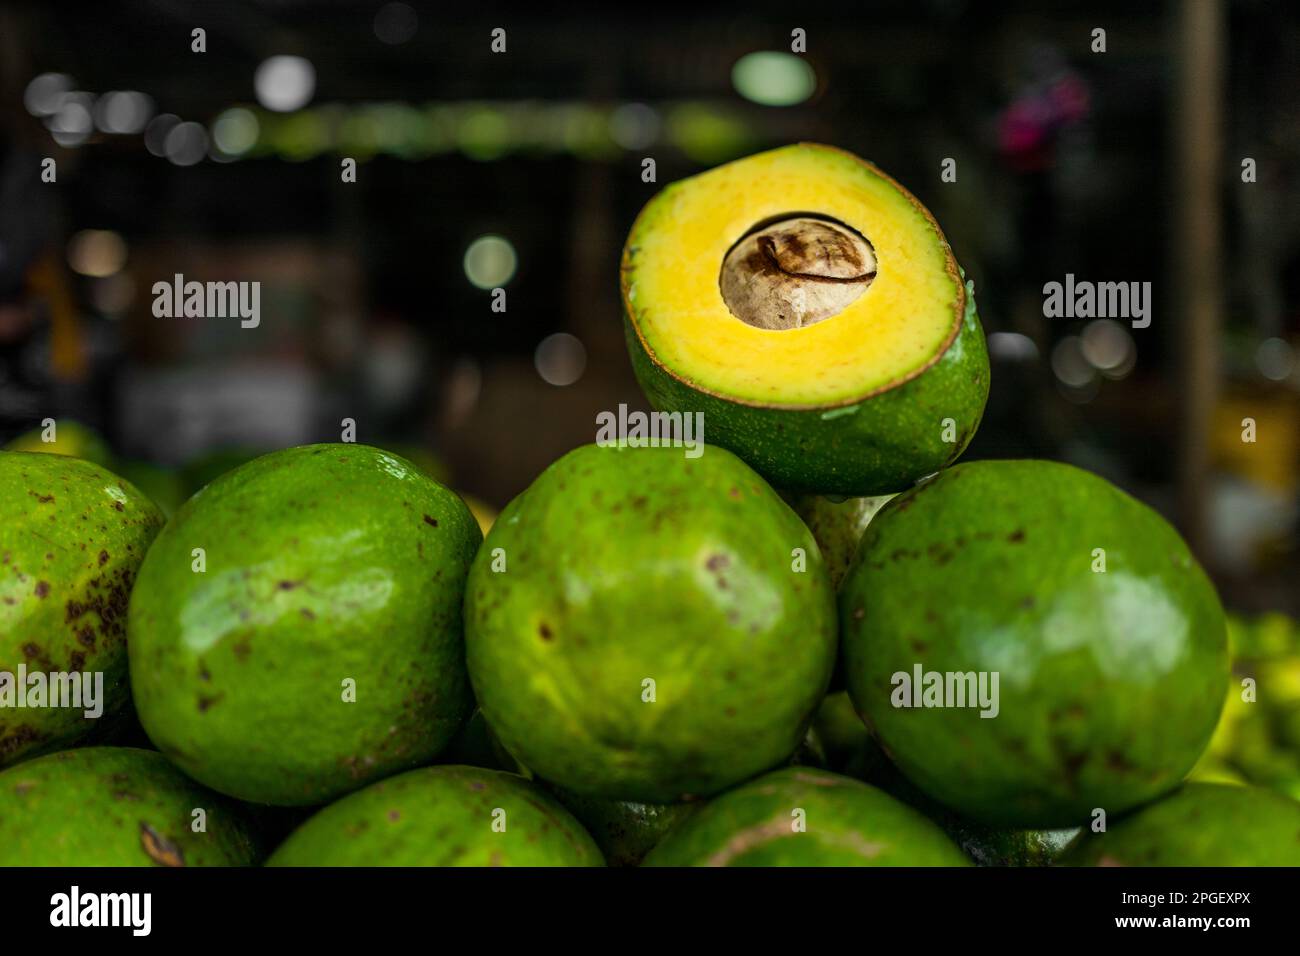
442,816
625,830
845,823
325,564
1200,824
117,806
878,446
1110,682
72,536
624,565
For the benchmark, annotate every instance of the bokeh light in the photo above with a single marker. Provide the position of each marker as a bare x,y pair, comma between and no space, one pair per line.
124,112
44,94
284,83
490,262
1275,359
560,359
1069,365
235,131
155,134
72,123
96,252
1012,347
635,125
1108,347
186,144
773,78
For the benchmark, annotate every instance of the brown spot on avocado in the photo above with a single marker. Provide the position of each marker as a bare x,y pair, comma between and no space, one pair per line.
1016,536
160,849
430,521
103,558
42,589
544,631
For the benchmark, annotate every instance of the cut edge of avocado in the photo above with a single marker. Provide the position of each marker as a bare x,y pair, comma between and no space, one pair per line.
962,304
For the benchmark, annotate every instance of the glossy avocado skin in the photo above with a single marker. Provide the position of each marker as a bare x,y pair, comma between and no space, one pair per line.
117,806
72,536
442,816
847,823
880,445
625,830
325,564
1200,824
1110,683
626,565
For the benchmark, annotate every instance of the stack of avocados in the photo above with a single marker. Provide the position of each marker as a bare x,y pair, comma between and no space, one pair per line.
812,644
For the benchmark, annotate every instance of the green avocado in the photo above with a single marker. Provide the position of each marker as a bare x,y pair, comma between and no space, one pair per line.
442,816
69,438
645,626
117,806
846,740
838,525
811,309
985,845
803,817
1201,824
1095,636
476,746
320,646
625,830
72,536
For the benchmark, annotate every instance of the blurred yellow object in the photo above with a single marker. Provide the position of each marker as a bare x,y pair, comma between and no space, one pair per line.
1272,459
70,438
68,356
483,512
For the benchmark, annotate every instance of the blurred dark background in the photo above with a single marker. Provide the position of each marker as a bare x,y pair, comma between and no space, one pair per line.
1173,157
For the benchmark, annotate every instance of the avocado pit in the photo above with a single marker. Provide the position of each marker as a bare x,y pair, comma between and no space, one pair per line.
796,271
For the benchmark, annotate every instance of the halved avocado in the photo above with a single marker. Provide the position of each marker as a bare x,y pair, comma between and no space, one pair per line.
811,308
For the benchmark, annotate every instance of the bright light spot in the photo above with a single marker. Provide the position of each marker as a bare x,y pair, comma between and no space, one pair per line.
1069,365
560,359
284,83
44,94
186,144
634,125
235,131
1012,347
484,134
123,111
72,123
96,252
1107,345
1275,359
395,23
490,262
155,134
773,78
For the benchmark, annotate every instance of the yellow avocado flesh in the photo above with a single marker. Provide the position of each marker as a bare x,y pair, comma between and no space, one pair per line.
897,328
